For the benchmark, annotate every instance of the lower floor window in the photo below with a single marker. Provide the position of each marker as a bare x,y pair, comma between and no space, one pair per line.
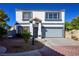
23,29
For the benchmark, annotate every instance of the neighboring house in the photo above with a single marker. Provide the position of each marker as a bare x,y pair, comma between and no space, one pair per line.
41,23
13,27
12,31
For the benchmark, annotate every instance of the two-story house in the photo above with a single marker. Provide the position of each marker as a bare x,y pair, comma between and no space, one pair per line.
41,23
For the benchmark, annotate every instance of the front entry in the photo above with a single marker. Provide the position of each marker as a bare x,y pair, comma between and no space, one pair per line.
35,32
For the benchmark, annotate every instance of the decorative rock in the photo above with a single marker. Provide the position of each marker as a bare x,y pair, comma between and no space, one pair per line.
75,34
2,49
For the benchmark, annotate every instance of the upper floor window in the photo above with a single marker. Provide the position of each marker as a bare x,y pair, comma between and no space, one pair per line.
27,16
52,16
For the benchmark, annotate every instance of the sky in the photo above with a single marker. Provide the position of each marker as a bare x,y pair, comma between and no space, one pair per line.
71,9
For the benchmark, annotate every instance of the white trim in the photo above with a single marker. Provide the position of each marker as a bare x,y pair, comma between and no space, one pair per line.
43,21
52,22
31,29
24,25
63,16
22,21
39,31
16,29
28,10
53,25
45,25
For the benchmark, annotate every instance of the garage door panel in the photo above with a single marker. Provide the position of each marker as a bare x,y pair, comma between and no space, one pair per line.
53,32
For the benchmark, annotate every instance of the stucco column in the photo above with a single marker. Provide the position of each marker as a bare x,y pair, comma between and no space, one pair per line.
16,28
31,29
39,31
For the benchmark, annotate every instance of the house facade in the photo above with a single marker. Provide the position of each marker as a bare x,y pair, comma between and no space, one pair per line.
41,23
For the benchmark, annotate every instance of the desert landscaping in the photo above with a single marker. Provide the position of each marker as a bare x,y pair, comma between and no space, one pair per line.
73,34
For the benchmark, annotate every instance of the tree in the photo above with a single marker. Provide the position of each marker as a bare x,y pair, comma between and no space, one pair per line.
75,23
68,26
3,19
3,23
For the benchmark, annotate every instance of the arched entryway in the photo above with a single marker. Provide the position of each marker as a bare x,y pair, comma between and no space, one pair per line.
35,28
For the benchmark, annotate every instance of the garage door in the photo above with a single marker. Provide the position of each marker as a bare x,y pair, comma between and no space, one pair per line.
53,32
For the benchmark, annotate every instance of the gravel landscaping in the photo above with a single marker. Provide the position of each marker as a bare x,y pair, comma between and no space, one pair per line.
19,45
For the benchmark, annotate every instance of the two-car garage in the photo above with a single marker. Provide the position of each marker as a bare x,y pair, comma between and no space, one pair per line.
52,32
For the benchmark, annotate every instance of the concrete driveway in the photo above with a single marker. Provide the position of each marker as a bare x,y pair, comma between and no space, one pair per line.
60,46
61,41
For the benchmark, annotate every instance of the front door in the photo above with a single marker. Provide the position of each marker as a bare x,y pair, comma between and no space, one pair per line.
35,32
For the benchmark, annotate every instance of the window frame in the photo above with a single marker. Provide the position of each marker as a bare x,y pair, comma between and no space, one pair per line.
21,28
29,16
48,18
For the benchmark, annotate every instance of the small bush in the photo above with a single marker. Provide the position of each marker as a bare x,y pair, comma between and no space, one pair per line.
18,35
3,32
26,36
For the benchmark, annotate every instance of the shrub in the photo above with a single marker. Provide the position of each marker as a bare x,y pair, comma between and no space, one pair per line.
25,35
2,33
68,26
18,35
